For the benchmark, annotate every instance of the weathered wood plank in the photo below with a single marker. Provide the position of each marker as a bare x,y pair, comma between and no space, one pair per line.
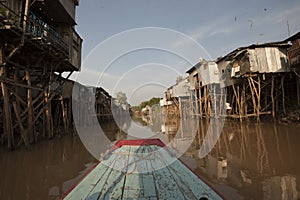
148,186
190,185
142,172
166,186
88,183
111,186
86,186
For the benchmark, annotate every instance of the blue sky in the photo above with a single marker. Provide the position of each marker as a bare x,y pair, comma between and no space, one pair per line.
219,26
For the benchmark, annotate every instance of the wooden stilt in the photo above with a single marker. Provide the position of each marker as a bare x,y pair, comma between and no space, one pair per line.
298,90
30,108
6,111
283,94
252,95
64,115
196,101
244,102
7,123
272,96
258,99
215,101
22,129
205,101
48,114
221,106
237,100
200,102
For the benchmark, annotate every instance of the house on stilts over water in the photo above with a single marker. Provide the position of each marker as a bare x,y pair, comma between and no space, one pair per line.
38,42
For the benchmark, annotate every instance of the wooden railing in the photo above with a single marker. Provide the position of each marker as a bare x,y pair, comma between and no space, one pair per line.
36,28
8,18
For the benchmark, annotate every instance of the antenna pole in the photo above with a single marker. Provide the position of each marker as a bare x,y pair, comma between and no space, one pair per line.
288,28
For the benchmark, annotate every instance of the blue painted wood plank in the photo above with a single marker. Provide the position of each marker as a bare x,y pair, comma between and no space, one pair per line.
111,187
88,183
165,185
141,172
188,182
148,186
133,189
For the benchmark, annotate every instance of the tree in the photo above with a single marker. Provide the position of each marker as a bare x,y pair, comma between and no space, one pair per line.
121,98
178,79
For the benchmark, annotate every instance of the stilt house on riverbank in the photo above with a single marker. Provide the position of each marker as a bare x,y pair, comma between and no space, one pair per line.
206,95
179,95
258,80
37,39
294,60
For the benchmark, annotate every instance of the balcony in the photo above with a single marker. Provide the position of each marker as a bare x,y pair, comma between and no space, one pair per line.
43,35
38,30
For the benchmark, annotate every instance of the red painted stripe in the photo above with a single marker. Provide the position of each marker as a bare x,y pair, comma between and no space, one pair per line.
154,141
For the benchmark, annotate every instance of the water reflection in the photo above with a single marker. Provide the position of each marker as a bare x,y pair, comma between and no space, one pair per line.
249,160
258,160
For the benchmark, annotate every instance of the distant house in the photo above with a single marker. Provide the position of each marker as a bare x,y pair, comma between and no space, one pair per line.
180,89
294,50
179,95
164,102
203,73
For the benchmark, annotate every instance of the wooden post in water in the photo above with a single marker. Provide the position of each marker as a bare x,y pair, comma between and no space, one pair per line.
48,113
7,121
196,100
23,131
215,101
200,102
244,102
272,96
283,94
298,90
205,100
30,107
64,115
258,99
238,109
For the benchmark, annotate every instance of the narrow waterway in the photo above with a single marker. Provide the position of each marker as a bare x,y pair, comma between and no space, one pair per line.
249,161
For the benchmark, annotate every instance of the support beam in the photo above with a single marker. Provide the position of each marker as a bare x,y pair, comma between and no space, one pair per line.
48,113
7,121
298,90
23,132
283,94
30,108
272,96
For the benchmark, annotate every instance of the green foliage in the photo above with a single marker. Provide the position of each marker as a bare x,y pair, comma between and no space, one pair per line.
151,102
179,78
121,97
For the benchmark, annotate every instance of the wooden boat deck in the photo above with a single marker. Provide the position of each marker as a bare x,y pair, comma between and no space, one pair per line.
141,170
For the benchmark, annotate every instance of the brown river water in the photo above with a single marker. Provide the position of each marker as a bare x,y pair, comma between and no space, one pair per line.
249,161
